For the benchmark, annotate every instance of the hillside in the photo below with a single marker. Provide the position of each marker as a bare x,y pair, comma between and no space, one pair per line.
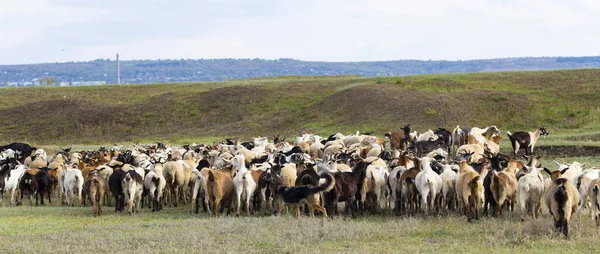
565,102
160,71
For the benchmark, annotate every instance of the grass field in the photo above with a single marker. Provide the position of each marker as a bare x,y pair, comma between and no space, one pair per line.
73,229
565,102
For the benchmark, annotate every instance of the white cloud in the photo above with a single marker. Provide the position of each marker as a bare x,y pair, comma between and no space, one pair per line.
351,30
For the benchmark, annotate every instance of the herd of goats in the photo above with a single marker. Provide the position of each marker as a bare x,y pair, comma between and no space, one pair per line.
401,173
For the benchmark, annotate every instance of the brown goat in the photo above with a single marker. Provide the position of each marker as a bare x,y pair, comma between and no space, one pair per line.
561,198
407,184
469,188
504,186
94,187
220,189
399,140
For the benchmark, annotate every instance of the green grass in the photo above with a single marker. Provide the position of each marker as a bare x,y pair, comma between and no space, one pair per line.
565,102
73,229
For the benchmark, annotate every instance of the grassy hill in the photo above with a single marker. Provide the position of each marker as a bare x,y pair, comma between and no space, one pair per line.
565,102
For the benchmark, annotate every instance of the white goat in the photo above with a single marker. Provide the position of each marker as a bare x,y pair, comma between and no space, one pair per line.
449,176
531,191
429,185
155,183
243,183
73,185
12,182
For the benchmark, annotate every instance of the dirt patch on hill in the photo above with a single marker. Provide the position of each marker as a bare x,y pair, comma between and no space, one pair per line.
422,109
568,151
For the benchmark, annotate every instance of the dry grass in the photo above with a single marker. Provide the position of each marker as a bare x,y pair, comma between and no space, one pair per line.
65,229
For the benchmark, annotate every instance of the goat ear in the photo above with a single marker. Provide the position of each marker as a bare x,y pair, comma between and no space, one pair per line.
547,171
564,170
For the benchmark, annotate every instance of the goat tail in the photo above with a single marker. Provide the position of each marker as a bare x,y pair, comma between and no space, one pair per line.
561,197
510,136
579,182
473,183
211,177
526,188
329,184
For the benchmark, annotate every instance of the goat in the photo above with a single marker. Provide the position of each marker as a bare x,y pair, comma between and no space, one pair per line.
458,137
449,177
154,183
469,189
94,187
243,183
22,150
132,185
504,186
72,185
116,187
174,175
594,196
526,140
582,182
399,140
531,189
429,185
220,189
12,181
561,199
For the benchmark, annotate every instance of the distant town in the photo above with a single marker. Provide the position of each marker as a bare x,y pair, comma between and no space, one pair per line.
104,71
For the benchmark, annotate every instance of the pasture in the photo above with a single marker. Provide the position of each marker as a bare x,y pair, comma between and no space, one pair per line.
73,229
565,102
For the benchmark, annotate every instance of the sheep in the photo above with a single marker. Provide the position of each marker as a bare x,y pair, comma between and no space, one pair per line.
449,177
530,188
243,183
504,186
469,189
429,185
132,189
561,199
525,140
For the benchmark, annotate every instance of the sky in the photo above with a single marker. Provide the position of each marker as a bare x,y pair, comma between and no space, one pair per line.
38,31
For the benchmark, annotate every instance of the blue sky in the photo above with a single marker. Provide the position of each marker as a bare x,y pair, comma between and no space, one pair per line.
34,31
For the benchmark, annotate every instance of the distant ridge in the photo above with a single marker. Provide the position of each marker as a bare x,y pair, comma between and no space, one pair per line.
187,70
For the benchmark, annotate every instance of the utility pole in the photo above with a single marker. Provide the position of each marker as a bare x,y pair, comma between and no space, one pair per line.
118,70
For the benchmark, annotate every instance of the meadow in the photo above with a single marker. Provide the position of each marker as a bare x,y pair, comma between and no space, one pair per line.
565,102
